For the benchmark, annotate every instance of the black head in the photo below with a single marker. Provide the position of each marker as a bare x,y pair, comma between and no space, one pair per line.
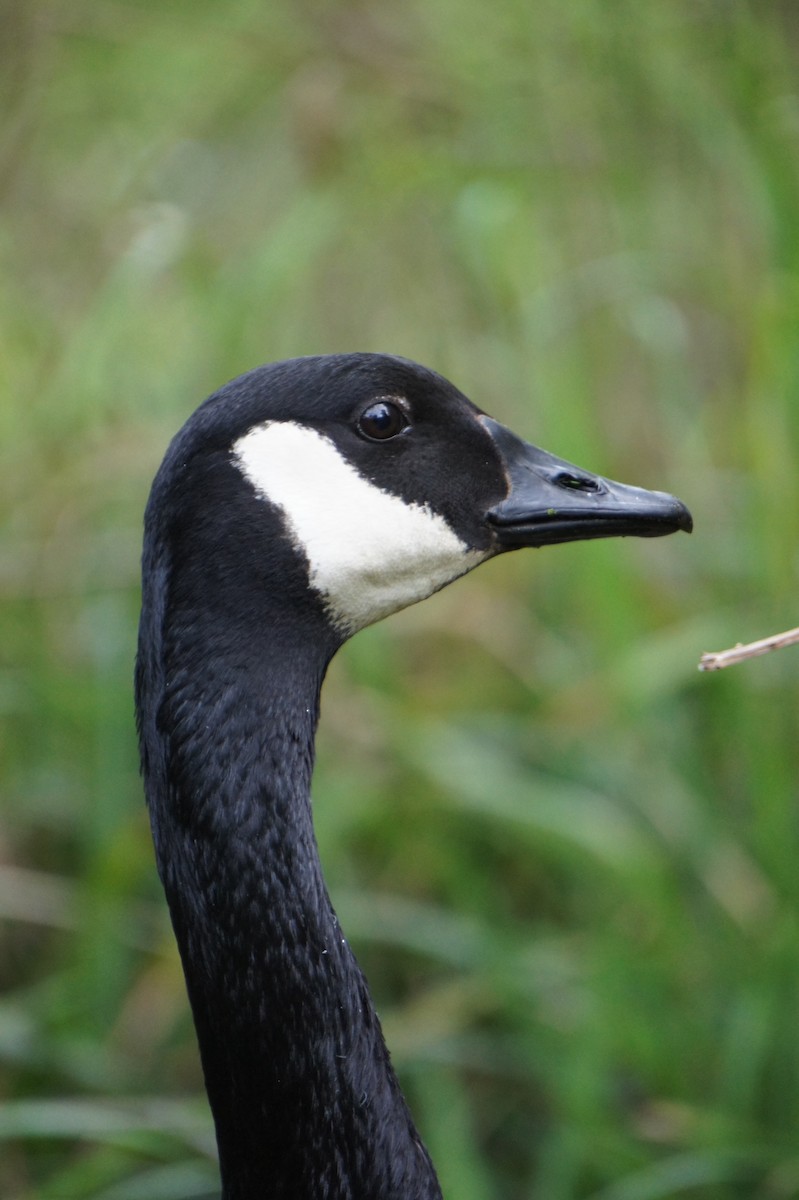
360,483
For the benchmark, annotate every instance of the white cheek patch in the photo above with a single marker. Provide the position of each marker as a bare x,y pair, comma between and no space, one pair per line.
369,552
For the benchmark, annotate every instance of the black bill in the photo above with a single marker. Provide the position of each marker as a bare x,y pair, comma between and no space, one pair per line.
552,501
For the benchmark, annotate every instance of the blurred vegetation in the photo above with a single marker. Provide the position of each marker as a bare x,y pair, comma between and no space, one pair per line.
568,862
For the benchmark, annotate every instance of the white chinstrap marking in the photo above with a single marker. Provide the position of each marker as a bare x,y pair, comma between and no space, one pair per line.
369,552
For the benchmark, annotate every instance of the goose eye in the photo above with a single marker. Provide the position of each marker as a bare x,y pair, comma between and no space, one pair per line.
382,421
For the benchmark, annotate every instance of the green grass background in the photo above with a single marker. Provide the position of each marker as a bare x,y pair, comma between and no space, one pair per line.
568,861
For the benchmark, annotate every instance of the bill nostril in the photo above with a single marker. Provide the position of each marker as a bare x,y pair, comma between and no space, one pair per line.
575,483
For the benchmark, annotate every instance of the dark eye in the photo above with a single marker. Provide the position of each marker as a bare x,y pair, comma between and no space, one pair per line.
382,420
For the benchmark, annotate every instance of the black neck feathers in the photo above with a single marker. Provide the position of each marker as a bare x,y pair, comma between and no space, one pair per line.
304,1097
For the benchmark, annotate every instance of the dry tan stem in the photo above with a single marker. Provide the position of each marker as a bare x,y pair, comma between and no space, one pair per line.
726,658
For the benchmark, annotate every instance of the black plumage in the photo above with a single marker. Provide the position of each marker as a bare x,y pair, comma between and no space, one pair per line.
235,639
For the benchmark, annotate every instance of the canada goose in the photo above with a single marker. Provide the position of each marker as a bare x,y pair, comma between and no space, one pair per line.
298,504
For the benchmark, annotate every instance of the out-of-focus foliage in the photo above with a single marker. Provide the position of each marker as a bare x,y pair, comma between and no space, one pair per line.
567,860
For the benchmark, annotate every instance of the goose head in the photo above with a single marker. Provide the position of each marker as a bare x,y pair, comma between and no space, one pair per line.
358,484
